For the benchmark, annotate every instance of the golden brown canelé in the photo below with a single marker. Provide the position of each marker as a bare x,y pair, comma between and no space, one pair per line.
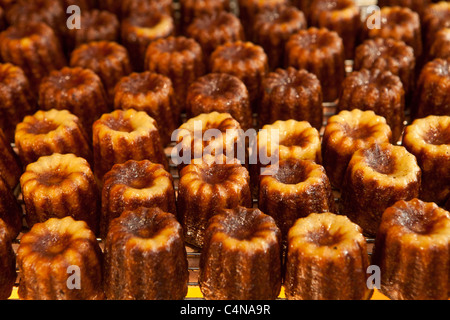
132,7
341,16
321,52
145,257
291,94
60,185
178,58
376,90
192,9
34,47
418,6
10,166
48,132
245,60
223,93
272,29
429,140
412,251
441,45
435,17
78,90
388,54
433,89
108,59
10,210
133,184
152,93
137,31
211,31
51,254
205,188
376,178
7,263
344,134
320,247
17,99
399,23
241,258
125,135
292,189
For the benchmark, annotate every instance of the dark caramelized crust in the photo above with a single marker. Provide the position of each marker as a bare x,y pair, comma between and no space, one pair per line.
152,93
7,263
60,185
17,99
376,90
341,16
321,52
134,184
272,28
291,94
223,93
433,89
146,243
108,59
241,256
304,6
205,188
125,135
46,254
435,17
78,90
10,210
388,54
441,44
34,47
347,132
211,31
180,59
376,178
48,132
412,250
429,140
244,60
191,9
320,248
292,189
130,8
10,166
418,6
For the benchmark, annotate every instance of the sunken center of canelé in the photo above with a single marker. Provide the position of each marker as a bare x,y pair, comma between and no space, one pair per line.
437,136
324,238
381,160
216,174
43,126
289,172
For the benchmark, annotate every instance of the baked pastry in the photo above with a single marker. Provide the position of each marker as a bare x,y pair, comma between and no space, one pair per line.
318,267
418,6
272,29
10,211
303,5
125,135
134,184
376,178
83,4
429,140
108,59
411,249
341,16
400,23
180,59
251,238
135,7
321,52
211,31
245,60
433,89
344,134
223,93
10,166
292,189
78,90
17,99
205,188
138,30
152,93
49,255
388,54
441,44
376,90
147,242
435,17
34,47
191,9
7,263
291,94
60,185
48,132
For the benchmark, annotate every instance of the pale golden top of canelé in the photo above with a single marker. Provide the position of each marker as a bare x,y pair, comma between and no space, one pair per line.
325,235
335,8
292,138
149,26
430,134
